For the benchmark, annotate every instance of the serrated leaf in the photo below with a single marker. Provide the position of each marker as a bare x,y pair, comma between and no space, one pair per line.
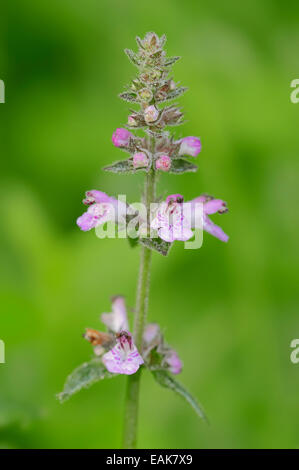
130,97
83,377
133,57
166,380
156,244
139,42
171,60
162,41
123,166
180,165
173,94
156,54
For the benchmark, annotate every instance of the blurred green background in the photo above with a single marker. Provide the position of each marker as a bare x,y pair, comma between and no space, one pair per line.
231,310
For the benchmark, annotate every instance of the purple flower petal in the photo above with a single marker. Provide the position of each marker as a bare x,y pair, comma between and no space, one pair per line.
175,198
124,357
214,205
166,234
172,220
102,208
210,206
87,221
117,320
151,332
174,362
214,229
151,114
121,137
163,163
190,146
93,196
140,160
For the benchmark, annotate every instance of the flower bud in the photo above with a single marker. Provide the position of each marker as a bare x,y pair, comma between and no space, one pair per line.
173,362
135,85
121,137
155,75
151,333
132,121
145,95
151,41
144,77
163,163
151,114
140,160
190,146
172,116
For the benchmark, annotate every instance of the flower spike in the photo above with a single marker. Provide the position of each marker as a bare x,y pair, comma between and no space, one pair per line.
118,351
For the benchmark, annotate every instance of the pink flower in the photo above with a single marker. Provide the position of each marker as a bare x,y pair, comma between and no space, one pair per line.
121,137
117,320
171,221
124,357
173,362
210,206
163,163
102,208
175,220
151,114
140,160
190,146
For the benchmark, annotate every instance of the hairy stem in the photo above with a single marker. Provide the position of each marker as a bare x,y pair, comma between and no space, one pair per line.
133,384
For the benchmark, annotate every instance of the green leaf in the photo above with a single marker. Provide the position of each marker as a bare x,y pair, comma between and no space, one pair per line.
156,54
83,377
180,165
175,93
162,41
166,380
123,166
156,244
139,42
130,97
171,60
133,57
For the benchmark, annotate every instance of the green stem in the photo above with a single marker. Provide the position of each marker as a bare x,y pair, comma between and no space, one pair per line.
133,384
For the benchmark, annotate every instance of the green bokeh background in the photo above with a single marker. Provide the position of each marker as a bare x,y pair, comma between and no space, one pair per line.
231,310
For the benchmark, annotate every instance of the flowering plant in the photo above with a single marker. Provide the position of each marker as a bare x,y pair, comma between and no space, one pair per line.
122,350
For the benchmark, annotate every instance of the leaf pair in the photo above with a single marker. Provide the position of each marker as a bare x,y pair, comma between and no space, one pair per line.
172,94
93,371
178,166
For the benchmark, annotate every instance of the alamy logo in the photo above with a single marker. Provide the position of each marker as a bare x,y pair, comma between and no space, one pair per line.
2,92
295,353
2,352
295,93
